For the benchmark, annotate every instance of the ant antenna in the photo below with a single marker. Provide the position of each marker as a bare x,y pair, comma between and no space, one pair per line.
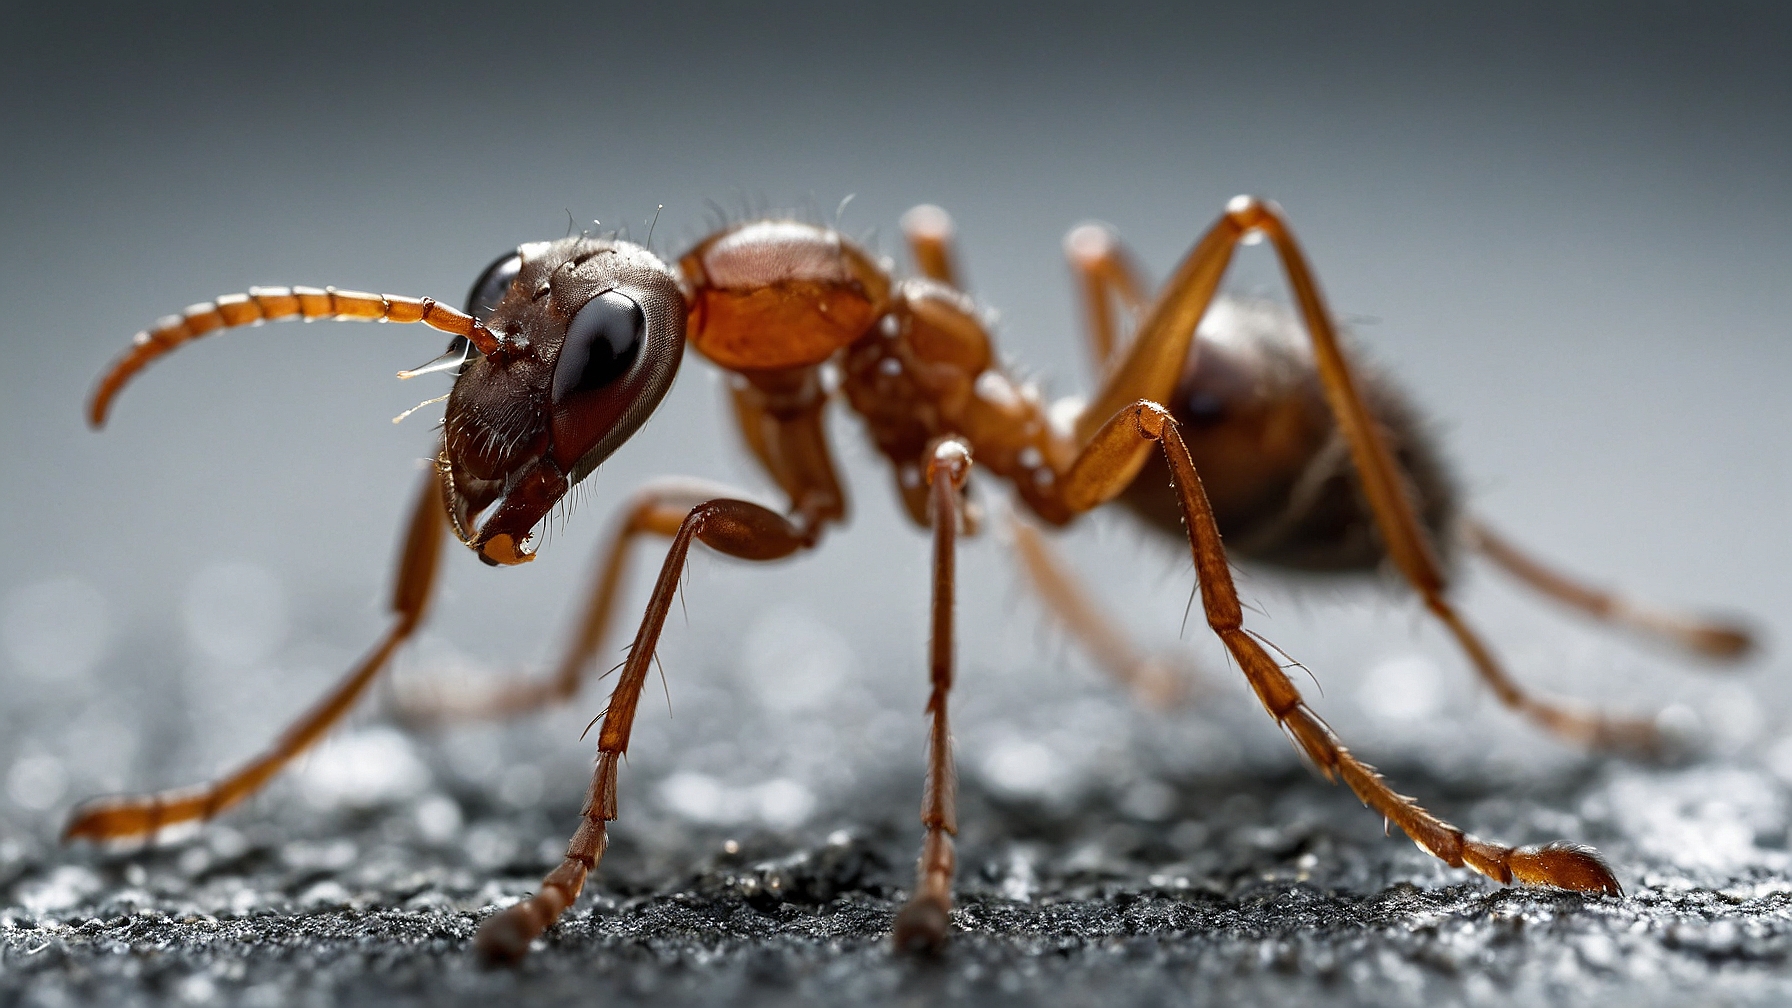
656,223
840,210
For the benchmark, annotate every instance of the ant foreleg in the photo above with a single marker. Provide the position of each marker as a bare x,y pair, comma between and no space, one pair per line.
1129,435
144,815
735,527
658,509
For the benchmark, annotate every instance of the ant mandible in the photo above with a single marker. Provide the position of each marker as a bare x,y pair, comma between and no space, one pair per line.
566,347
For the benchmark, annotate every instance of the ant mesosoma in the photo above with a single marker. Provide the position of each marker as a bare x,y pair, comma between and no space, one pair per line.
566,347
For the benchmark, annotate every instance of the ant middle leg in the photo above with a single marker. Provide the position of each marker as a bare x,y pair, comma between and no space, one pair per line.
1109,283
921,924
734,527
1105,467
145,815
1107,275
930,236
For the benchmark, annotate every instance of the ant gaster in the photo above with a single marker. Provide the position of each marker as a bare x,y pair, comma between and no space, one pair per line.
1297,456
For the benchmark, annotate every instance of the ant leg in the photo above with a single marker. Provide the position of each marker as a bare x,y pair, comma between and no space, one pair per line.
1104,271
1709,638
1155,682
144,815
930,236
658,509
1091,481
1154,360
1391,503
922,922
781,417
1105,274
734,527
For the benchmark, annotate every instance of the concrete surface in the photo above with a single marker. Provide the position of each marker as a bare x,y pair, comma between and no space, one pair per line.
1259,886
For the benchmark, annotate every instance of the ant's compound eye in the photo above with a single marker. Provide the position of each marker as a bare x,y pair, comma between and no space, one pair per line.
601,344
492,284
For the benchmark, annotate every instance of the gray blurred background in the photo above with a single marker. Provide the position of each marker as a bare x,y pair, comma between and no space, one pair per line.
1565,232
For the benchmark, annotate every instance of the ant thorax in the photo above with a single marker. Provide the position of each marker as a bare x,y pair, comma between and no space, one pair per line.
773,300
929,371
778,294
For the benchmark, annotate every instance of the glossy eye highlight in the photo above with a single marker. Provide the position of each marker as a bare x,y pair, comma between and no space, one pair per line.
601,344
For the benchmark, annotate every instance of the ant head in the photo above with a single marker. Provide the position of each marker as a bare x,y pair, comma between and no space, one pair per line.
590,333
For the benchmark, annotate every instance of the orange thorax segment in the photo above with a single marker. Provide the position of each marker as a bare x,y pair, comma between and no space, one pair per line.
780,294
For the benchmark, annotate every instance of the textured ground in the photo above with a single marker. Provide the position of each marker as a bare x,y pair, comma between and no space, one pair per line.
1108,854
1253,887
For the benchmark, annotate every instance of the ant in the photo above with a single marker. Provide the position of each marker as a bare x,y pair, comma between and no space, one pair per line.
1286,448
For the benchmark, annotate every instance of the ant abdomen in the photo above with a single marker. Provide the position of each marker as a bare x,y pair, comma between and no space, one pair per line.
1275,466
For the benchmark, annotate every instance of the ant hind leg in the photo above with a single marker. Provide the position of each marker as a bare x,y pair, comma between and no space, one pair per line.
1708,638
1148,368
1101,471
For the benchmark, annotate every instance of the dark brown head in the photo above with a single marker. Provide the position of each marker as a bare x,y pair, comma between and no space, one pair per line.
590,333
565,349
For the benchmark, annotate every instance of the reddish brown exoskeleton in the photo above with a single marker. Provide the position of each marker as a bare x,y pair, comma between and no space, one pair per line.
566,348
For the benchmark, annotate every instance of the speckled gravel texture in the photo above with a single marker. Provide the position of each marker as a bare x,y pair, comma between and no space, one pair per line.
1260,885
1109,854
